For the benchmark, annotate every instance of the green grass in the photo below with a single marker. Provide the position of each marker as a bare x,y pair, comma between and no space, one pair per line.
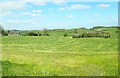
59,56
0,56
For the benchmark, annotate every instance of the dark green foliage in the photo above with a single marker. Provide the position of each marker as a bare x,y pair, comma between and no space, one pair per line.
91,28
1,29
99,27
106,35
23,34
65,34
39,34
4,33
45,34
8,32
83,28
33,34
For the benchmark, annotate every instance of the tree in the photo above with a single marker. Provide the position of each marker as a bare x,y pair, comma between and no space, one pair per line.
8,31
33,34
1,29
45,32
65,34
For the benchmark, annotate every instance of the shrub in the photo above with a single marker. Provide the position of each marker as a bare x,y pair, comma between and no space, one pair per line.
1,29
106,35
33,34
39,34
76,36
65,34
45,34
97,34
84,35
90,34
4,33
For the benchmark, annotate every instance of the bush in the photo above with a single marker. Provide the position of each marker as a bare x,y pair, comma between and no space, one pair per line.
33,34
45,34
65,34
76,36
4,33
84,35
92,34
39,34
106,36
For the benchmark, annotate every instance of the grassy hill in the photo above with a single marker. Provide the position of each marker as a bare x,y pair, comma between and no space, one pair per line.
56,55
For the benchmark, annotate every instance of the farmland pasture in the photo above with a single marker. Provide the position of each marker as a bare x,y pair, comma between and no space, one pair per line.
59,56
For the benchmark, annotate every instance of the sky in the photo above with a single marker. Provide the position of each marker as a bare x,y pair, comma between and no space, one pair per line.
57,14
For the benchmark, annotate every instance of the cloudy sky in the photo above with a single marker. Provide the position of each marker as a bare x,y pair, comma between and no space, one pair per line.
38,14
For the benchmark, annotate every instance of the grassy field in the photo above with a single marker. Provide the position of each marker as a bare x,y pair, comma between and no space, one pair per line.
60,56
0,56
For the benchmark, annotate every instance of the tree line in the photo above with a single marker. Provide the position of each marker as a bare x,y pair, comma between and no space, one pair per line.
45,32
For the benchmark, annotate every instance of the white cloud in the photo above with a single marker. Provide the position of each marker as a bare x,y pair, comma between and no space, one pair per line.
40,3
35,15
79,6
19,4
37,11
70,16
6,13
14,21
34,23
32,0
61,9
74,6
28,21
12,5
103,6
58,1
36,2
26,13
20,21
